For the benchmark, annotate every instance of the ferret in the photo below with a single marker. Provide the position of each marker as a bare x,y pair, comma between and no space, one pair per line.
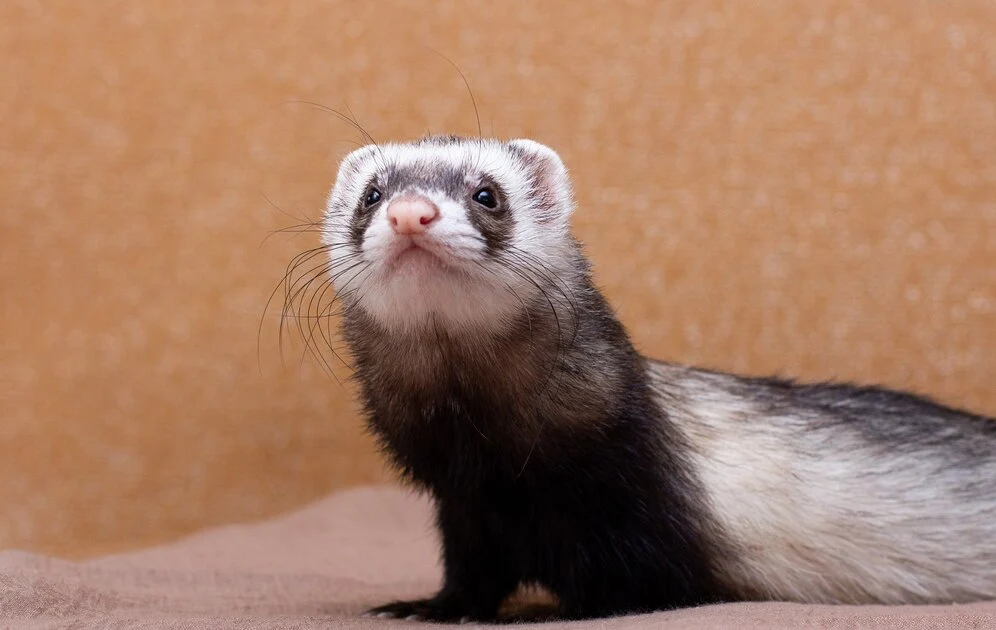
497,379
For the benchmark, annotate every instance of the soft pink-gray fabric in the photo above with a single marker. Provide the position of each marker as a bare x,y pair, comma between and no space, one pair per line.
320,567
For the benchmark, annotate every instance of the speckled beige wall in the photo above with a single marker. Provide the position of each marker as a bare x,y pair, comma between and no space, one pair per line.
798,187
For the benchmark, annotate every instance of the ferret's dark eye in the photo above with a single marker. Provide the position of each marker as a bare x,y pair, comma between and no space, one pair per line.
373,196
487,198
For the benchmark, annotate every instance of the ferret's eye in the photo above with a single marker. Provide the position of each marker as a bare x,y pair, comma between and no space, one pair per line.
487,198
372,197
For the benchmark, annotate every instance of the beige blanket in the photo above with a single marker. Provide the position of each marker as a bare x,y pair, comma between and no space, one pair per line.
321,567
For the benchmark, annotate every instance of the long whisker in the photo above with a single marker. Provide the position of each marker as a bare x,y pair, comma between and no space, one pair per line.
299,308
329,274
294,302
303,219
466,83
359,299
291,267
310,337
301,228
318,318
339,115
557,282
349,120
356,122
295,291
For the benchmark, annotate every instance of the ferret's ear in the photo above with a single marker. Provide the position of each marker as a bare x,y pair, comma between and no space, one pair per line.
347,187
554,193
355,157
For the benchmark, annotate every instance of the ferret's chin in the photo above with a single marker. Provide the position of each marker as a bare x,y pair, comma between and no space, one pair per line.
423,292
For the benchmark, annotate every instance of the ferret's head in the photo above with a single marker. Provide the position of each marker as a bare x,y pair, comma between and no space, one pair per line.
462,232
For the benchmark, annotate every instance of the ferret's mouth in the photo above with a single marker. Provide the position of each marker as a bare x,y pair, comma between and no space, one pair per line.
412,252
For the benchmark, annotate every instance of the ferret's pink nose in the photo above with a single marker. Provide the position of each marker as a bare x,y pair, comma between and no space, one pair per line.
411,215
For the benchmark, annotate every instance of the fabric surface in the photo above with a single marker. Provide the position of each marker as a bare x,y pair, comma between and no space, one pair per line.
322,566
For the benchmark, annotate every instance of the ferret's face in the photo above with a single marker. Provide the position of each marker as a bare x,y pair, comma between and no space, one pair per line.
454,231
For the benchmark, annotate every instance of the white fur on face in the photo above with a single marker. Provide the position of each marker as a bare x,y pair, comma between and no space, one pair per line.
454,280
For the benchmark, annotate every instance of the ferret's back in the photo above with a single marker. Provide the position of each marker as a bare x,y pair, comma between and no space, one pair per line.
839,494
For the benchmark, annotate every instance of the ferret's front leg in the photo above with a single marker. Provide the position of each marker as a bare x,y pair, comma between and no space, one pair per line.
479,571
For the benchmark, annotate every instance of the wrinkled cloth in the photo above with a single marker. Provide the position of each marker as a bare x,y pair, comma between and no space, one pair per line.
321,567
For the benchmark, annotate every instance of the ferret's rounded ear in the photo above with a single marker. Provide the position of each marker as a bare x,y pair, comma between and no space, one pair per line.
352,163
550,174
347,187
352,159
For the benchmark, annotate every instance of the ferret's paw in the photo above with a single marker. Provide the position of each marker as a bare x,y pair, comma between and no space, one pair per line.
422,610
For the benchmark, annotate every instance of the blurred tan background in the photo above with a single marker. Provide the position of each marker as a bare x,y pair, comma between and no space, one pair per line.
800,188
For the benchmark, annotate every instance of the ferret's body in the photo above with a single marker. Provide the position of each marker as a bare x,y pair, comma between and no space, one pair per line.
839,494
497,378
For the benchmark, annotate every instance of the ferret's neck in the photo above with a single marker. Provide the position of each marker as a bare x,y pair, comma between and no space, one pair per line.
543,377
507,362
